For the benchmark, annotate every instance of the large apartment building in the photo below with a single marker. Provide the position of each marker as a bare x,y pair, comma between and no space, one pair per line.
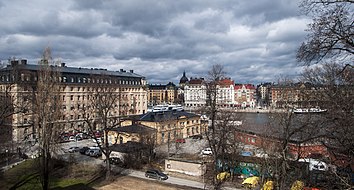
76,84
195,94
162,94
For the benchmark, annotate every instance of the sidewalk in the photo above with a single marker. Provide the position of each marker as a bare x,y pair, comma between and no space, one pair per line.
13,162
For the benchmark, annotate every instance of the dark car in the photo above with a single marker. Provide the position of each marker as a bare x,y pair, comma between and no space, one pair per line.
83,149
156,174
180,140
114,161
197,137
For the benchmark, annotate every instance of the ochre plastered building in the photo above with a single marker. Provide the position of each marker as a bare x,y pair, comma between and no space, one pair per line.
169,125
77,85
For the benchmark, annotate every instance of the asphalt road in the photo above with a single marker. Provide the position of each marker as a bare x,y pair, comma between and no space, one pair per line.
171,180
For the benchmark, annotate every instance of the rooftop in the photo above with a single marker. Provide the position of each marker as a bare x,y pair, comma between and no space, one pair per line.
163,116
76,70
135,128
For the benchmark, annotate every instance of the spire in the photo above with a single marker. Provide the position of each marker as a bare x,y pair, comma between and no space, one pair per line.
183,79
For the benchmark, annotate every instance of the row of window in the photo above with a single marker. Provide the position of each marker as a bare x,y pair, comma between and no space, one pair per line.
76,79
174,135
183,123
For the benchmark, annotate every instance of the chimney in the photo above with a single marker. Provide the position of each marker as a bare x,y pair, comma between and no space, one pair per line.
131,71
62,64
14,62
121,70
24,62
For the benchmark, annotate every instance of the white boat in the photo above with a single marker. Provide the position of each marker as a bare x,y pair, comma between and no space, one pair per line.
160,108
309,110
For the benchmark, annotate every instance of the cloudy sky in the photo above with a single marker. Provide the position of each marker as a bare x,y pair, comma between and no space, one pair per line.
255,41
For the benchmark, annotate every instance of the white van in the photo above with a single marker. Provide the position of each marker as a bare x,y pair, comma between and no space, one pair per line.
315,164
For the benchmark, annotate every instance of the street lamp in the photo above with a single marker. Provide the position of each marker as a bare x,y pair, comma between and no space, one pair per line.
7,157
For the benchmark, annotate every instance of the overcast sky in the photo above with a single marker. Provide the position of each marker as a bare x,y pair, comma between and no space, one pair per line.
255,41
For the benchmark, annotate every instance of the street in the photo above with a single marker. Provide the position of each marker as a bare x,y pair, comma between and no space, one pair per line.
171,180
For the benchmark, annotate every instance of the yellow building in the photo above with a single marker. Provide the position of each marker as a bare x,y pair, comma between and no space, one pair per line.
170,125
162,94
135,133
77,85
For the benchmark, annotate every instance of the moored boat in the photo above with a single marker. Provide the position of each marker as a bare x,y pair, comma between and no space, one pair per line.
309,110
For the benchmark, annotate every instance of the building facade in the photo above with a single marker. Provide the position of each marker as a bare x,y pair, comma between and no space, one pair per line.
264,95
245,95
229,94
77,86
169,125
162,94
225,94
195,94
295,95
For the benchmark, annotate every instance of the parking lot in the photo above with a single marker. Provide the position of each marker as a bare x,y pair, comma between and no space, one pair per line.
76,156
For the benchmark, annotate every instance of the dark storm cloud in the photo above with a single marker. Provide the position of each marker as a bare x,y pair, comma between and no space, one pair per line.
157,38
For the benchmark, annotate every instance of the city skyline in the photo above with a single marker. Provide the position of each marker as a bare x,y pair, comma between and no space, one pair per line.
255,41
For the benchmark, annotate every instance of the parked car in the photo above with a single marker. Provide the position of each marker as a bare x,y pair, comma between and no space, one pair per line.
78,138
95,153
74,149
207,151
180,140
83,149
97,140
87,153
114,161
197,137
246,153
156,174
89,150
72,138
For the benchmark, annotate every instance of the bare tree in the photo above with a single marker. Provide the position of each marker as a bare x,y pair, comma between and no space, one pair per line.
221,132
330,42
46,113
334,90
331,33
290,131
102,113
